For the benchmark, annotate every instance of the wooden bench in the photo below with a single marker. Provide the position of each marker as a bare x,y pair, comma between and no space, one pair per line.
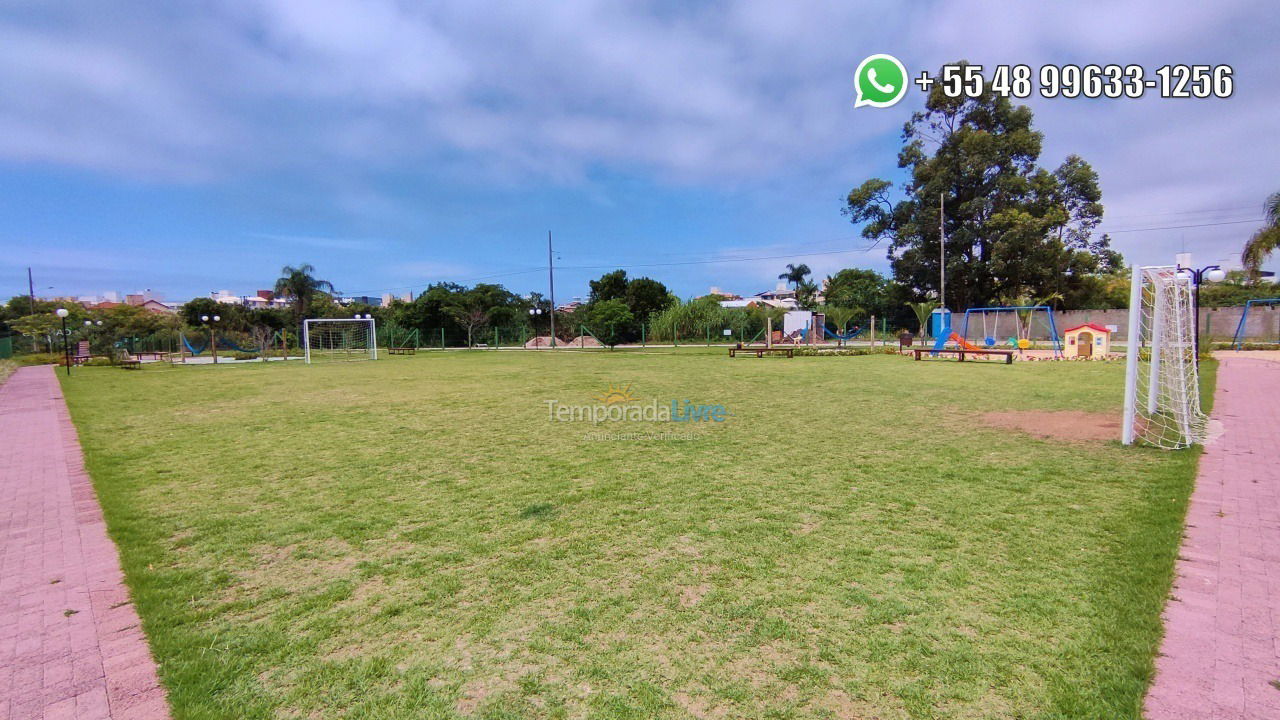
762,351
1008,354
402,351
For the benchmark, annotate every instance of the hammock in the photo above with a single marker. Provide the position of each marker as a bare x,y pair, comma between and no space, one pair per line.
193,350
846,336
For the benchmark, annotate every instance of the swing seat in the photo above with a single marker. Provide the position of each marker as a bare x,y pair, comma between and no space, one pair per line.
989,341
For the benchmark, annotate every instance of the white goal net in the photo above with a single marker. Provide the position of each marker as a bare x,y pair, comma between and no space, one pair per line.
1162,383
330,339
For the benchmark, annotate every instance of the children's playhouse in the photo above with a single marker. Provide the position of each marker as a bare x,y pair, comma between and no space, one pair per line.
1087,341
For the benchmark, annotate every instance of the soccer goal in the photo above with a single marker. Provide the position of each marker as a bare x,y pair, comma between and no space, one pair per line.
1162,381
340,339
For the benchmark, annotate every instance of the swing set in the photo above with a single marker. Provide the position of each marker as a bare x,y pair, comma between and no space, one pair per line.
1237,342
1023,318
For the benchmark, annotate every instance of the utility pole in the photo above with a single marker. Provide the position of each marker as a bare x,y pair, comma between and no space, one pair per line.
551,282
942,252
31,290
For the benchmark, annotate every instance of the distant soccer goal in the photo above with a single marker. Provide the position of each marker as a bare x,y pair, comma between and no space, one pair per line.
1162,381
340,339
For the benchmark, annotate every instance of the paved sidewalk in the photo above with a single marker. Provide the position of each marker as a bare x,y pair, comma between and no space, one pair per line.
70,642
1222,625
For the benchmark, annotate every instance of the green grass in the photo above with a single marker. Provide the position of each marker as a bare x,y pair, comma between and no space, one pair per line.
412,538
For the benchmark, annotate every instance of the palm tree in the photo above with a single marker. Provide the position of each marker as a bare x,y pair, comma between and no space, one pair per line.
1265,241
922,310
299,285
795,274
840,317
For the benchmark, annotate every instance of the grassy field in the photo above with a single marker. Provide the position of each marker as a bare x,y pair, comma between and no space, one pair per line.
414,538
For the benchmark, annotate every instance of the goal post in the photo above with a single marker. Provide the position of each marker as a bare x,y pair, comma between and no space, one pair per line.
1162,379
339,339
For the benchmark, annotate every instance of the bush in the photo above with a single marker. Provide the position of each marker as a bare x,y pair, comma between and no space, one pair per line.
99,362
6,369
846,352
1245,346
39,359
244,356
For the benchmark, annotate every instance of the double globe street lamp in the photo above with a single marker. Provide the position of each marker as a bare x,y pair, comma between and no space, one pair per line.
1211,273
213,337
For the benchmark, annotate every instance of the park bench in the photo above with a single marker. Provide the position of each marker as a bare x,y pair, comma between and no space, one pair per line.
83,355
128,361
762,351
1008,354
402,351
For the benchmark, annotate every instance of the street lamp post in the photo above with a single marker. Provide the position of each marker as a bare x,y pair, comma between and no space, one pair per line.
213,336
1212,273
534,313
66,346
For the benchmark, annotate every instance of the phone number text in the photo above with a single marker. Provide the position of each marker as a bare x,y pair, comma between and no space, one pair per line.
1090,81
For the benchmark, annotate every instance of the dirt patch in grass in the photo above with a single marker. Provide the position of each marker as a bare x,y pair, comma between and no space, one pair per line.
690,596
1064,425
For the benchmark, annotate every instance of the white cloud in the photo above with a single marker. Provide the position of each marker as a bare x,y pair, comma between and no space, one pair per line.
525,93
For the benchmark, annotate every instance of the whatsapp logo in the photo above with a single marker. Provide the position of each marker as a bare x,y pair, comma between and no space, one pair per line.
881,81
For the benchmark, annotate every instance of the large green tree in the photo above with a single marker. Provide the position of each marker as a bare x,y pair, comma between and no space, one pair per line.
610,286
641,297
865,290
610,320
646,296
1012,227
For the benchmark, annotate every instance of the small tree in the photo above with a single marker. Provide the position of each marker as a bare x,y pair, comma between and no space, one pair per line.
840,317
610,321
471,319
806,293
922,310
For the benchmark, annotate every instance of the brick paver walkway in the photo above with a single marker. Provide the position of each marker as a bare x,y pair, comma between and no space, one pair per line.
70,642
1222,623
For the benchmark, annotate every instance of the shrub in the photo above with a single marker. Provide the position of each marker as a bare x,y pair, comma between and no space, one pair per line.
1245,346
38,359
846,352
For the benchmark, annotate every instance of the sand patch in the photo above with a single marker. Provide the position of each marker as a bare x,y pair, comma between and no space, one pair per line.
1063,425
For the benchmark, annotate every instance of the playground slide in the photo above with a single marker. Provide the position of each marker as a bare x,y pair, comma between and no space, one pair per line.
964,344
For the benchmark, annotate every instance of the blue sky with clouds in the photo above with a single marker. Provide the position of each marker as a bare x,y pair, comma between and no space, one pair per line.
188,147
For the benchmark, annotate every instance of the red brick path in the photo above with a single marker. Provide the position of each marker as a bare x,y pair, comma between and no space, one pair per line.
1222,624
70,642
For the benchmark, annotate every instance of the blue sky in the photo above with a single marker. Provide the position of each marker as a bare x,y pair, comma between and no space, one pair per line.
185,148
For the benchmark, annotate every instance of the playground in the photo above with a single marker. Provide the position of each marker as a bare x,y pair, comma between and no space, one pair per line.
868,537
